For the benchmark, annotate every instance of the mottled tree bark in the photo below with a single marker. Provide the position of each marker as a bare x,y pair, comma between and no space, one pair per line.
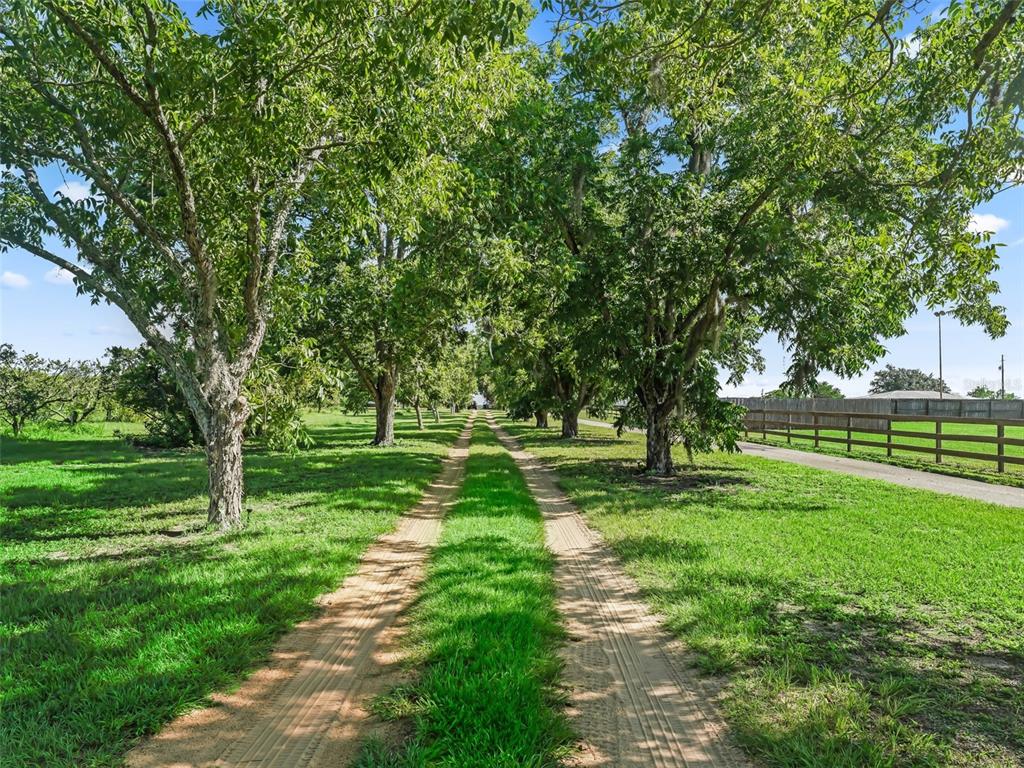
384,401
659,442
541,418
570,423
223,431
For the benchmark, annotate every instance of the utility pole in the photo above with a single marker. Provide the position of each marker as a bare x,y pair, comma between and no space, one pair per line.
1002,377
942,386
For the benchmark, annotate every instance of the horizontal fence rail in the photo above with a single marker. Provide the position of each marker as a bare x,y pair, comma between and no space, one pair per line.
806,424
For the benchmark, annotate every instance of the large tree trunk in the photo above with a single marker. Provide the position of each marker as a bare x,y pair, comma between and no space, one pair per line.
419,415
384,400
659,442
570,423
437,416
224,463
541,418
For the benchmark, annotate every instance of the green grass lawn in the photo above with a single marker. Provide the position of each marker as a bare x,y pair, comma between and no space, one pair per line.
119,610
483,634
858,623
974,468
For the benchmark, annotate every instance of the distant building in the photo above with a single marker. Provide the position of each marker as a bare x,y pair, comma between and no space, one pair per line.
911,394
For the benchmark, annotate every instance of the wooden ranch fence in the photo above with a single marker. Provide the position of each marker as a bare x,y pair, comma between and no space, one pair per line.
809,425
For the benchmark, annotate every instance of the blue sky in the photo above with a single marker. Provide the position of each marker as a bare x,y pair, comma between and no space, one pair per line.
40,312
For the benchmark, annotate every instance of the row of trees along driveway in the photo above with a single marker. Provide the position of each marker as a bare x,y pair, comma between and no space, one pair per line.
206,153
626,211
701,174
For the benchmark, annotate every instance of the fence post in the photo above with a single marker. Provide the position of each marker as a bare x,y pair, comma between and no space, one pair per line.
888,438
789,427
849,433
815,430
938,441
764,425
1001,447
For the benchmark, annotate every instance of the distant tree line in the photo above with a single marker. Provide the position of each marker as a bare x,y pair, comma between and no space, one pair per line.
133,384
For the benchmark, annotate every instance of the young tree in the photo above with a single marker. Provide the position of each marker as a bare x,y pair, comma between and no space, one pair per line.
197,148
892,379
289,377
789,168
31,386
142,384
88,384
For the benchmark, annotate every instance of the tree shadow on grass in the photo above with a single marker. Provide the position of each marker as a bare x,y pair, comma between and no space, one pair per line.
39,512
823,676
818,677
27,450
484,630
104,659
630,477
369,479
128,622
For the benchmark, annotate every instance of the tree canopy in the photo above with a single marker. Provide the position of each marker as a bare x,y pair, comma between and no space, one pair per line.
986,393
892,379
781,168
198,149
820,389
292,195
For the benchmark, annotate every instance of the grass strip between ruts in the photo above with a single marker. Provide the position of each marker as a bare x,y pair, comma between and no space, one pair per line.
483,634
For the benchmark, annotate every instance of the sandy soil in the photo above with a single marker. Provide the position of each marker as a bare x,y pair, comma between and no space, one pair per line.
307,707
636,700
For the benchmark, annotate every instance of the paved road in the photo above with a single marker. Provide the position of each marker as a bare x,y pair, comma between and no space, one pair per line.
912,478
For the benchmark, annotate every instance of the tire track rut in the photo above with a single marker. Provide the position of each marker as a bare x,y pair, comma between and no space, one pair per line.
635,701
307,707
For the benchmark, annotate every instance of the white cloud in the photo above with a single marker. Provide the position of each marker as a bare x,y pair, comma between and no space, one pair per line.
59,276
986,222
73,190
13,280
912,45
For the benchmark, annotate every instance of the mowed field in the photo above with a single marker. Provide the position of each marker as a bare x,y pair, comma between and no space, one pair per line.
976,468
119,610
853,623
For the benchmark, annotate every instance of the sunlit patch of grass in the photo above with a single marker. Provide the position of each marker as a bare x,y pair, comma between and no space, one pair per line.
119,610
859,623
483,634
